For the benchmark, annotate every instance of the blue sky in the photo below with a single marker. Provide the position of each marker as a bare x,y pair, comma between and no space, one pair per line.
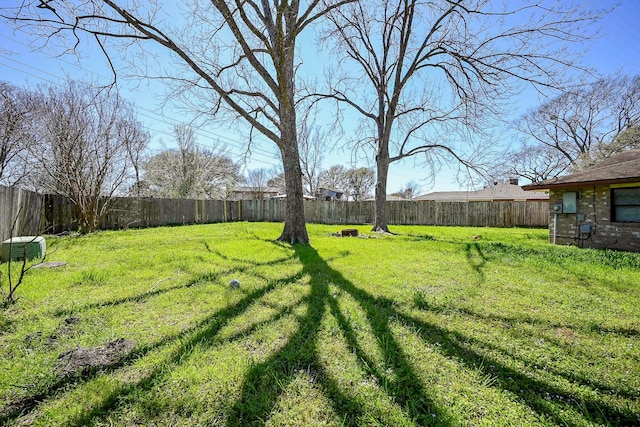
616,49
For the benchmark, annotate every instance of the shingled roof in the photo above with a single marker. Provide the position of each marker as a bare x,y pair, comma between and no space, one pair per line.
621,168
495,192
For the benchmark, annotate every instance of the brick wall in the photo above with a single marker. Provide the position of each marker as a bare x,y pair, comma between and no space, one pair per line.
594,209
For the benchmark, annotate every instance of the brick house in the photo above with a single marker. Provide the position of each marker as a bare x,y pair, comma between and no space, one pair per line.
598,207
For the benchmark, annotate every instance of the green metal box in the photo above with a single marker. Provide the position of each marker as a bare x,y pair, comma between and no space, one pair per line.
17,248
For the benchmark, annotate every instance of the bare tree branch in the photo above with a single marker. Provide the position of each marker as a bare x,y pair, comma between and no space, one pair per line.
239,57
434,68
577,128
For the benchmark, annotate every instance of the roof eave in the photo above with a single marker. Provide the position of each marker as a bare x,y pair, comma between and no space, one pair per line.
571,184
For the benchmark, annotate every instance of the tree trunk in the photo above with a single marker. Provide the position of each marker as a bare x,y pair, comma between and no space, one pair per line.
382,166
295,230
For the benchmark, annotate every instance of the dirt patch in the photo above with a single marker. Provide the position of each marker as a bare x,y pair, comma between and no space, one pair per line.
66,329
566,334
359,236
52,264
32,339
83,360
21,406
77,362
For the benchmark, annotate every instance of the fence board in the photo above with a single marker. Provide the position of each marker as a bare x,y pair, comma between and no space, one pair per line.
20,212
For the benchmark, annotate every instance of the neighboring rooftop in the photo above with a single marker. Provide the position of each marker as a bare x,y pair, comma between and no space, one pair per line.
248,189
622,168
284,196
506,191
445,196
329,194
390,198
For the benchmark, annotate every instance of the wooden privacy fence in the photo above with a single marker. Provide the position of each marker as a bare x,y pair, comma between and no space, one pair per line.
489,214
54,214
128,212
20,213
132,212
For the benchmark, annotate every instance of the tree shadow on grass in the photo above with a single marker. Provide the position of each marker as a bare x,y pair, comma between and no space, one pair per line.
501,321
264,382
202,331
476,258
541,396
201,335
195,280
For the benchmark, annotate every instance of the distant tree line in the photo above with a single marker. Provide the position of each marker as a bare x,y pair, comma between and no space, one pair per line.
576,129
355,183
84,142
190,171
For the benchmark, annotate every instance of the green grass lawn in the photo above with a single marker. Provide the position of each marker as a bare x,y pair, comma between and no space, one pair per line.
426,327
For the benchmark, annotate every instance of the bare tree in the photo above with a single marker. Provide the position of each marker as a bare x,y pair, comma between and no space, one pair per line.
359,183
189,171
257,180
334,178
578,128
137,139
277,180
16,114
83,144
312,143
532,162
409,191
242,55
8,293
431,71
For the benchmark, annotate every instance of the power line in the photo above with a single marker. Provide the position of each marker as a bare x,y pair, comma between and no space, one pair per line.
153,115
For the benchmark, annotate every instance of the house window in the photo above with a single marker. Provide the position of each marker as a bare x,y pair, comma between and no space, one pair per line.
625,204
